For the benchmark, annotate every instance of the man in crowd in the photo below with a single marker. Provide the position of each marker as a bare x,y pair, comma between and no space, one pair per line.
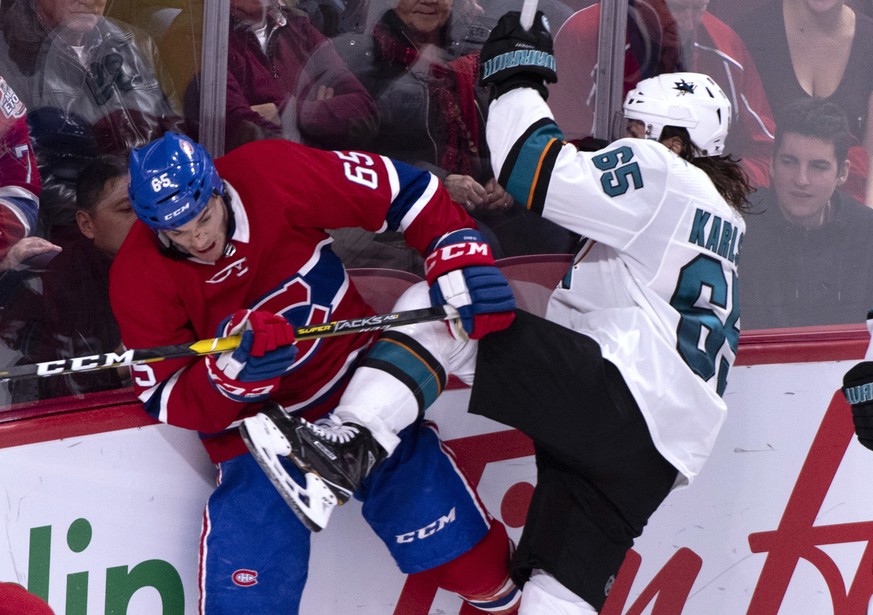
807,258
92,85
72,316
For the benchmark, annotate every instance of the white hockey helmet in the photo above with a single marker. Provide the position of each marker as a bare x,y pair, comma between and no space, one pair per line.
687,100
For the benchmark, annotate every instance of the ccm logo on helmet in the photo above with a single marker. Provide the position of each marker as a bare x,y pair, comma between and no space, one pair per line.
245,578
173,214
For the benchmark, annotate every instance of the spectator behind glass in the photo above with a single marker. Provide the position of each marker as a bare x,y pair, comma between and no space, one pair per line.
335,17
20,251
19,186
75,318
666,36
91,85
284,79
556,11
807,254
424,82
819,48
422,69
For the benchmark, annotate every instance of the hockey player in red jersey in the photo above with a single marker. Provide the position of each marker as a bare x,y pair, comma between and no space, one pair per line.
621,385
238,246
19,182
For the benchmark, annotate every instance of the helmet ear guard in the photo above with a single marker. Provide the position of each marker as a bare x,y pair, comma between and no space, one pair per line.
172,180
686,100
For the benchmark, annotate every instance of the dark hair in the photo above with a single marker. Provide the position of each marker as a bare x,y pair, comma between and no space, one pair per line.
725,172
92,181
817,118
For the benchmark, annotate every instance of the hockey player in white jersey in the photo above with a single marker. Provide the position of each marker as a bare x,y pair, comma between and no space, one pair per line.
620,387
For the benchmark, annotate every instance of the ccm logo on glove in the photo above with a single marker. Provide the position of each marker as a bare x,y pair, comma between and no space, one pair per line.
471,249
462,273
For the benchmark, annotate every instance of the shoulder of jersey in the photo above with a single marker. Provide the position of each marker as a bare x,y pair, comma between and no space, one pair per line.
644,148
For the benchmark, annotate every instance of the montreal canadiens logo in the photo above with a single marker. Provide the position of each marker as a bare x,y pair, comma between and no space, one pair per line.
245,578
186,147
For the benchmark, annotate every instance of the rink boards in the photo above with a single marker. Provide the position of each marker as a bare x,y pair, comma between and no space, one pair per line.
103,515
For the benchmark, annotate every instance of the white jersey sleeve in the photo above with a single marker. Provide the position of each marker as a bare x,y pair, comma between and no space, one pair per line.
655,282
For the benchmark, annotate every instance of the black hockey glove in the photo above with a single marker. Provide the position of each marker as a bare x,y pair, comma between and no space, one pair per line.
858,389
513,57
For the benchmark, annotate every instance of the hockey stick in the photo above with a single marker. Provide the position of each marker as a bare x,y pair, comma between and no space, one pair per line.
528,12
221,344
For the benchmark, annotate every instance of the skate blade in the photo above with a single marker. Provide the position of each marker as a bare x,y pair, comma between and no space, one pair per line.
264,438
260,433
313,503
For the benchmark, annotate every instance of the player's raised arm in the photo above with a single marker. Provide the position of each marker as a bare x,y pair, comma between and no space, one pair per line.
517,63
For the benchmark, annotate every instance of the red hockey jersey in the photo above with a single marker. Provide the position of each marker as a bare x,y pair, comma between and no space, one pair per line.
283,197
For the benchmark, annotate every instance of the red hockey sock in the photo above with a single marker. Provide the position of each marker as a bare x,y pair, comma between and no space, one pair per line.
481,575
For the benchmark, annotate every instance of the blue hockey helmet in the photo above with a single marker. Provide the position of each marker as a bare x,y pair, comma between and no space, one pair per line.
171,181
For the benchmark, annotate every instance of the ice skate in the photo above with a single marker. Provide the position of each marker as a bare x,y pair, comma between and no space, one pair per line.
312,502
334,457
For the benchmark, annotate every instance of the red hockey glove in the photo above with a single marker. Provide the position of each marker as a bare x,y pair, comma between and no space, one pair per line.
461,272
252,371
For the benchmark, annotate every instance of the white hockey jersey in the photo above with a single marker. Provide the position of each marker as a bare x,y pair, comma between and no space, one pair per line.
655,283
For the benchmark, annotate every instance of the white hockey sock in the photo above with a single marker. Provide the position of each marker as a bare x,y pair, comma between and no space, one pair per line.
544,595
379,402
386,405
385,436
